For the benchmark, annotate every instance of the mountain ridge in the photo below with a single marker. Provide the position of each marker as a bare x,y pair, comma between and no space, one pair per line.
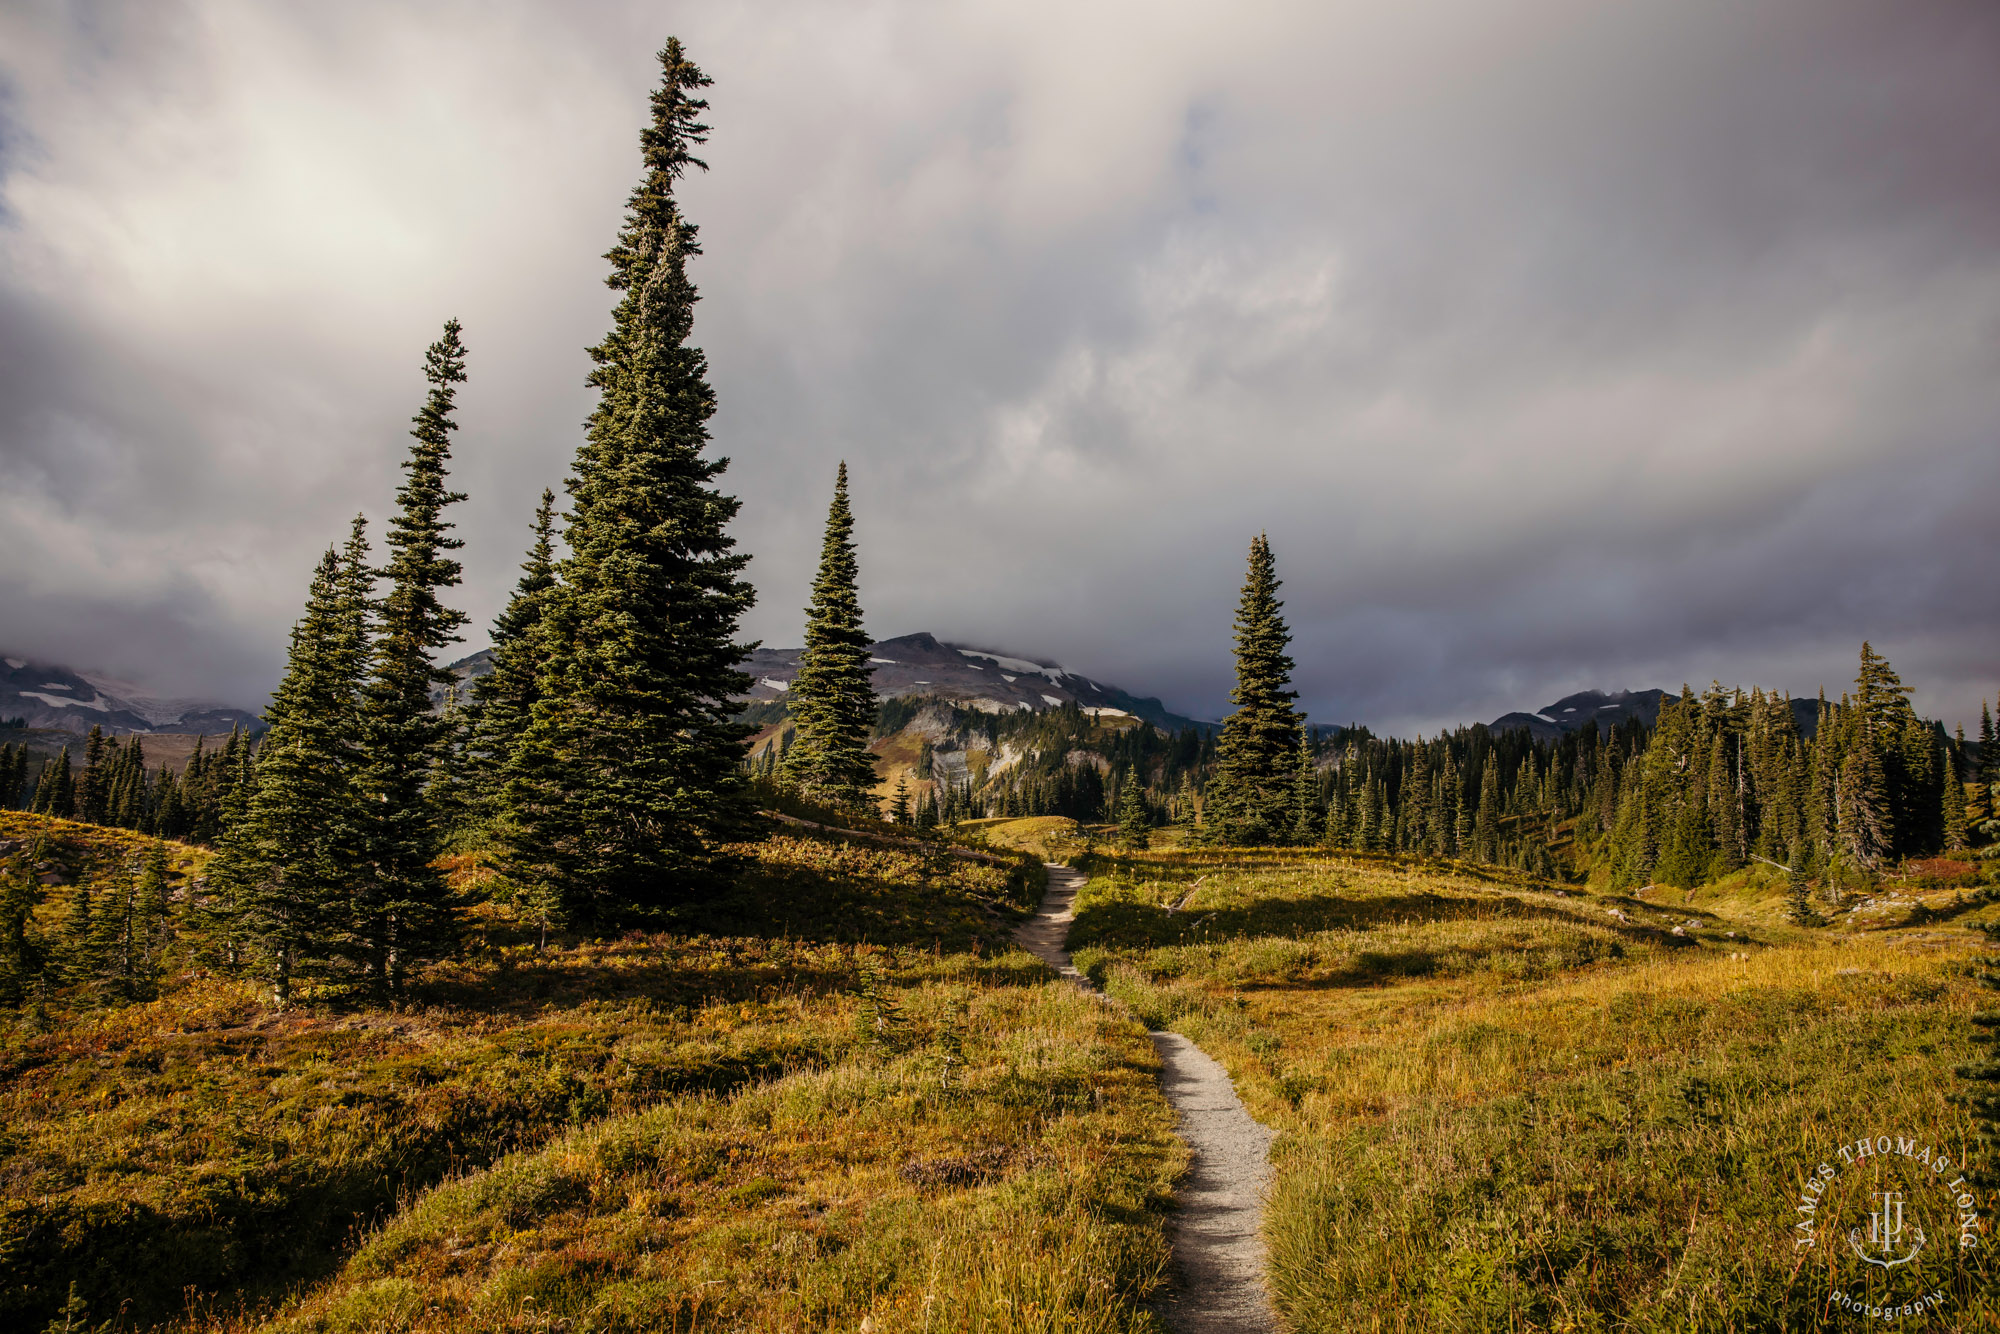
1572,712
59,699
922,664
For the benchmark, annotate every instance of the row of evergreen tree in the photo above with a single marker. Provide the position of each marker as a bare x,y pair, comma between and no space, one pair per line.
1717,780
113,937
600,757
115,788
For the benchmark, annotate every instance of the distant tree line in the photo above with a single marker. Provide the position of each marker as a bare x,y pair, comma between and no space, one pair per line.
1717,781
114,787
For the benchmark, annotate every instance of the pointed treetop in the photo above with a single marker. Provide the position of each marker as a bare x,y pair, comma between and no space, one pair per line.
665,146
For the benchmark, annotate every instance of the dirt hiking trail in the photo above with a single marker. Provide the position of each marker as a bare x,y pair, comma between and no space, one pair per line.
1218,1249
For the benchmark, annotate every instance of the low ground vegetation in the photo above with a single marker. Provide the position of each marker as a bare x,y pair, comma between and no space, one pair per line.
834,1092
1508,1104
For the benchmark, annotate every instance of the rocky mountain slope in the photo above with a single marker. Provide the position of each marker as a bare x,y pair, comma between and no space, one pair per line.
982,679
921,664
59,699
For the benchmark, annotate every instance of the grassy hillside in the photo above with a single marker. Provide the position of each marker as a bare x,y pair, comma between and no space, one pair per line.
836,1094
1509,1105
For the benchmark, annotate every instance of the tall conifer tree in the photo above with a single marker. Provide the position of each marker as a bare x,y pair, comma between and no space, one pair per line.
504,698
831,700
1250,798
93,784
1987,766
1953,820
402,908
629,769
285,869
1306,818
1134,825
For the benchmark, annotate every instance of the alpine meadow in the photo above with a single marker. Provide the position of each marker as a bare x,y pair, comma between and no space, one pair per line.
554,949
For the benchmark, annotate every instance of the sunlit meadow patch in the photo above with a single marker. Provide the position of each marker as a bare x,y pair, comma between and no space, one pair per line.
1512,1106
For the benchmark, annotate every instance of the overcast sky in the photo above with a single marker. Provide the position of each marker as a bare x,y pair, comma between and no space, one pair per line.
1556,345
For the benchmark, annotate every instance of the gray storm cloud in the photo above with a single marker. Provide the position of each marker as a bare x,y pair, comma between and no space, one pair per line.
1554,344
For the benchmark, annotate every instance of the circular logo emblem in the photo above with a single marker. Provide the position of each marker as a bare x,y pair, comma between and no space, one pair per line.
1889,1225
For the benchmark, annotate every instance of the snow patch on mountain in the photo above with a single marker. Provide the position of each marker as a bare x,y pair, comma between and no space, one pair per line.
50,696
1020,666
58,702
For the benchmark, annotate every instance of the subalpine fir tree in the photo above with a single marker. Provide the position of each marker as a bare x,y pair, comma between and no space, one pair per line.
1976,809
78,946
899,801
1306,819
504,698
155,913
1798,889
1485,824
1367,815
119,934
1861,806
214,911
1343,807
1987,767
1250,797
59,796
402,907
284,874
1881,708
633,753
831,701
1415,817
1725,808
1187,802
1463,810
93,783
1955,838
1135,827
20,952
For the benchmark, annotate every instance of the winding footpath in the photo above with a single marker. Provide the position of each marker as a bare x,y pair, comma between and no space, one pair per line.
1217,1245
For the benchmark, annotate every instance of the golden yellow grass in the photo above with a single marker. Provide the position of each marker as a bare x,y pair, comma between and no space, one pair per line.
999,1161
832,1095
1503,1105
1053,838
